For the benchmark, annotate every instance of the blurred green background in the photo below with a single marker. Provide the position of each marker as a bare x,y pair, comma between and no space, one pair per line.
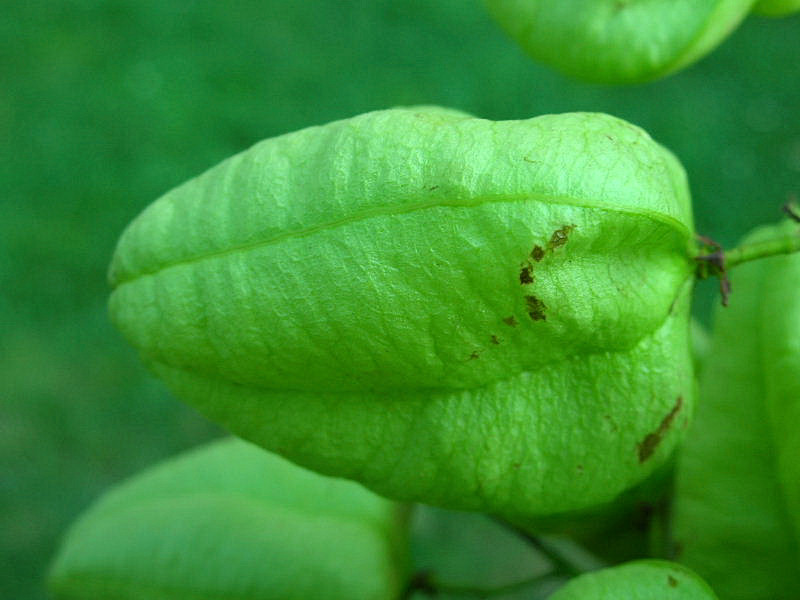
105,105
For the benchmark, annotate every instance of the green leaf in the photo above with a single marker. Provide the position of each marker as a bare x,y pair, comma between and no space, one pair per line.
619,41
480,315
738,497
231,522
639,580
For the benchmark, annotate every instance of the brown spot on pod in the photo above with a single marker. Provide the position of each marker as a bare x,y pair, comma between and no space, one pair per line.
525,277
560,237
536,308
649,444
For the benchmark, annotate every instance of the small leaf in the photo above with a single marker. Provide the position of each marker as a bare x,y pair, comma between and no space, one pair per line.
232,522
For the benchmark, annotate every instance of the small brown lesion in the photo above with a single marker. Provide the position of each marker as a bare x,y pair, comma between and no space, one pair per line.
560,237
536,308
651,441
511,321
525,275
475,355
671,581
495,340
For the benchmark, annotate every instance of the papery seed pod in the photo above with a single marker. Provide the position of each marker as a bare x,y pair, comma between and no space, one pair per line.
475,314
639,580
230,520
624,41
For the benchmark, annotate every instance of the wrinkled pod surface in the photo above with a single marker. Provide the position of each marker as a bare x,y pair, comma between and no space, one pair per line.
473,314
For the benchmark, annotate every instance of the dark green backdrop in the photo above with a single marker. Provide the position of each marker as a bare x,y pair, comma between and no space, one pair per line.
106,104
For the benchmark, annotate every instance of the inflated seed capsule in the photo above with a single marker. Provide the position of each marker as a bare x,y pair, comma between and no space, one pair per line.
625,41
475,314
229,520
641,579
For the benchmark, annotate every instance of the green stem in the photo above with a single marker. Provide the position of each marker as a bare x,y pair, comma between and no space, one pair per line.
748,252
719,261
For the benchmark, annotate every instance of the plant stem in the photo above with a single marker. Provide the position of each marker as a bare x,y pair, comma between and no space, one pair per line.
718,262
748,252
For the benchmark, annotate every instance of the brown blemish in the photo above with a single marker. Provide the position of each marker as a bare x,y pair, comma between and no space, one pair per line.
511,321
536,308
580,468
560,237
474,356
530,160
433,187
649,444
525,277
672,581
495,340
516,465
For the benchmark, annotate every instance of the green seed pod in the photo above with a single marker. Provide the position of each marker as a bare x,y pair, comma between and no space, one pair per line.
620,41
480,315
231,521
737,513
639,580
776,8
